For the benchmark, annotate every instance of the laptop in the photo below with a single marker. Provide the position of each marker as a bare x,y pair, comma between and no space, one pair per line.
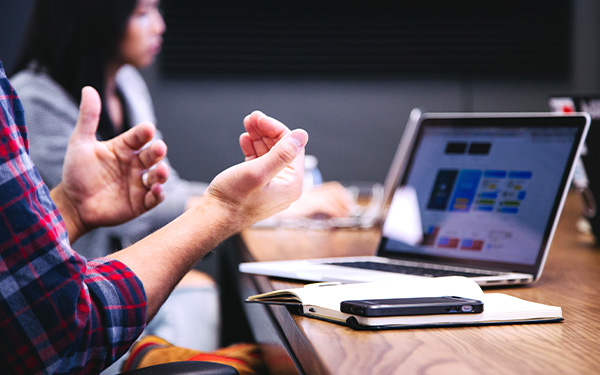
476,194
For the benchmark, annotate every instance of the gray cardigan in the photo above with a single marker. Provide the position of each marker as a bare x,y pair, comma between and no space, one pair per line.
51,114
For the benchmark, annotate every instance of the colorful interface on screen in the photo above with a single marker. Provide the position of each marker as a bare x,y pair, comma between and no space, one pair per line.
483,193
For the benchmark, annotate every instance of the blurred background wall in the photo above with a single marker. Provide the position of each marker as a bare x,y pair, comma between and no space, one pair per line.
355,121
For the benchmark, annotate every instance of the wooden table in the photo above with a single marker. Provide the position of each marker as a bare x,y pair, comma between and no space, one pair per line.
301,345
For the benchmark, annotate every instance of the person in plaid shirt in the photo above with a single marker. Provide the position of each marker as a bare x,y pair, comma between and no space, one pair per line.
62,314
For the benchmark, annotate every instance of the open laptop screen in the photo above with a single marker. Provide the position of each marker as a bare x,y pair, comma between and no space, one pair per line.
483,191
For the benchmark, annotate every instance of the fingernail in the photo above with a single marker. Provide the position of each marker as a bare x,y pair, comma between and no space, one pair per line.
299,138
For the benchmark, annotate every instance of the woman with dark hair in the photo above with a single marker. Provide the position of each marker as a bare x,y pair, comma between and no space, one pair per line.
73,43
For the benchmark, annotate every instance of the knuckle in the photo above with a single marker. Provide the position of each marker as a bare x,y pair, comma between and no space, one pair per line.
286,154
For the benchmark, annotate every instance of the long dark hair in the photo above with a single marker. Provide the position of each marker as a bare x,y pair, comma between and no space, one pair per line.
73,40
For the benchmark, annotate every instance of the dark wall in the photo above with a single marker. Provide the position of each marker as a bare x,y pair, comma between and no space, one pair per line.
13,17
354,124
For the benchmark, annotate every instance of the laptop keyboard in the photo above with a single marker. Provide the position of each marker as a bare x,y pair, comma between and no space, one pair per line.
409,270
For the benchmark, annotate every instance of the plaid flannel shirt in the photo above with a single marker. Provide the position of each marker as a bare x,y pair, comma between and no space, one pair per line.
59,313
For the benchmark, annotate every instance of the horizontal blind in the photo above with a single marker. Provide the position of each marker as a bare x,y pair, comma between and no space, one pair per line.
329,38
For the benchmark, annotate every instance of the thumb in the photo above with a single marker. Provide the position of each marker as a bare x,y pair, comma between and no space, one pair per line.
89,114
284,153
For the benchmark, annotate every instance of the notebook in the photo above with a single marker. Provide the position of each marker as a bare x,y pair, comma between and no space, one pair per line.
477,195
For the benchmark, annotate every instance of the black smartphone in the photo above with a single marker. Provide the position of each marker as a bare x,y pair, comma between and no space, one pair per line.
412,306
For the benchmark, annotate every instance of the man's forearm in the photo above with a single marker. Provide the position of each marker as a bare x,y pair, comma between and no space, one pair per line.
161,259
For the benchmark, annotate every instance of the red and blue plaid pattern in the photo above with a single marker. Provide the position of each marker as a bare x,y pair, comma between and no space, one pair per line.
58,312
